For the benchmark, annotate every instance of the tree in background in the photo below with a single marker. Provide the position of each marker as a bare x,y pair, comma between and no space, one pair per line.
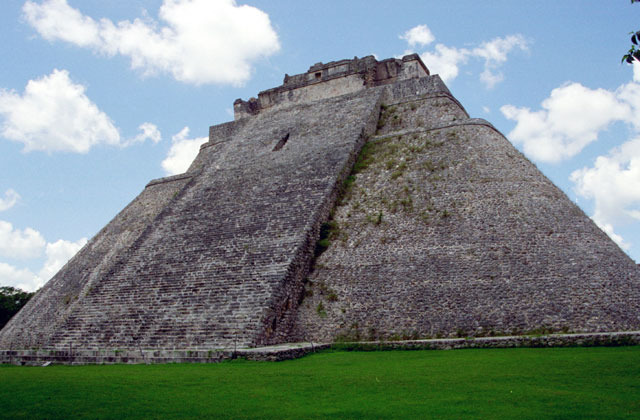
633,53
11,300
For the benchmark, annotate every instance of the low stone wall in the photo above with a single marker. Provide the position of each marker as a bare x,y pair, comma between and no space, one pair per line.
40,357
71,356
606,339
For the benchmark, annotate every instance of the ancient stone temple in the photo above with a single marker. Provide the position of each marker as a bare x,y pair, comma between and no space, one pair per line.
356,201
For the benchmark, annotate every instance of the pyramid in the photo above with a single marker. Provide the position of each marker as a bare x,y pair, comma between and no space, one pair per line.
355,201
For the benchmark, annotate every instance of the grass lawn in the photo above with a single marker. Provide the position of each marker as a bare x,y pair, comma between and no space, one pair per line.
557,383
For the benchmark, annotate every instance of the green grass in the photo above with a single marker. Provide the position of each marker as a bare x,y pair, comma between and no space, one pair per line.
558,383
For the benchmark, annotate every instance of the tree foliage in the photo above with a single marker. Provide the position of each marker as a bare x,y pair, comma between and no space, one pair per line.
11,300
634,51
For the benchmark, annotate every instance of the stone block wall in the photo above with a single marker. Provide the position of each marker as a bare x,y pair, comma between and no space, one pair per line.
71,356
332,79
222,263
45,313
442,228
449,231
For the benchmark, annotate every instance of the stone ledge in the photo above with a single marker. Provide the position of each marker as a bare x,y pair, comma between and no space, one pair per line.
422,97
462,123
618,338
72,356
171,178
39,357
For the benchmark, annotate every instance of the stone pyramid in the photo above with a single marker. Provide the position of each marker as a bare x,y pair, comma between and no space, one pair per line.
356,201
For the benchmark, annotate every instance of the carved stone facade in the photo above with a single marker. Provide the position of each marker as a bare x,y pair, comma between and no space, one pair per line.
333,79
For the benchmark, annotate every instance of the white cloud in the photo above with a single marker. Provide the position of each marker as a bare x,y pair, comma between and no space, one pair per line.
629,95
16,243
446,61
608,229
182,152
58,253
148,131
636,71
21,278
55,19
570,119
495,54
54,114
613,182
201,41
418,35
10,199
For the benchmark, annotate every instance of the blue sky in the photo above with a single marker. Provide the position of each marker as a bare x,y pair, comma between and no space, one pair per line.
97,98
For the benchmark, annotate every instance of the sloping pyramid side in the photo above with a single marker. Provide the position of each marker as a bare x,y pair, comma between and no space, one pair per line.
214,258
447,230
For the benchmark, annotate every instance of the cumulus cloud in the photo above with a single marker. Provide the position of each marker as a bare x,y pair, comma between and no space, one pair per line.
571,118
16,243
54,114
196,41
608,229
55,19
58,253
495,54
446,60
613,182
418,35
148,131
182,152
29,244
636,71
21,278
10,199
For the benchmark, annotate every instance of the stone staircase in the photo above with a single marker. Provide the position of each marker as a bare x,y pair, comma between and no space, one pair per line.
223,264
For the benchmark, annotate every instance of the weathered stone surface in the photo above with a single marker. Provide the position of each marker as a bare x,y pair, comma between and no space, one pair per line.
43,315
332,79
450,231
222,264
445,230
71,356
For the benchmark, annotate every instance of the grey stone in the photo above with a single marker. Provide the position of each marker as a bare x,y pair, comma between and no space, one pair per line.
446,231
